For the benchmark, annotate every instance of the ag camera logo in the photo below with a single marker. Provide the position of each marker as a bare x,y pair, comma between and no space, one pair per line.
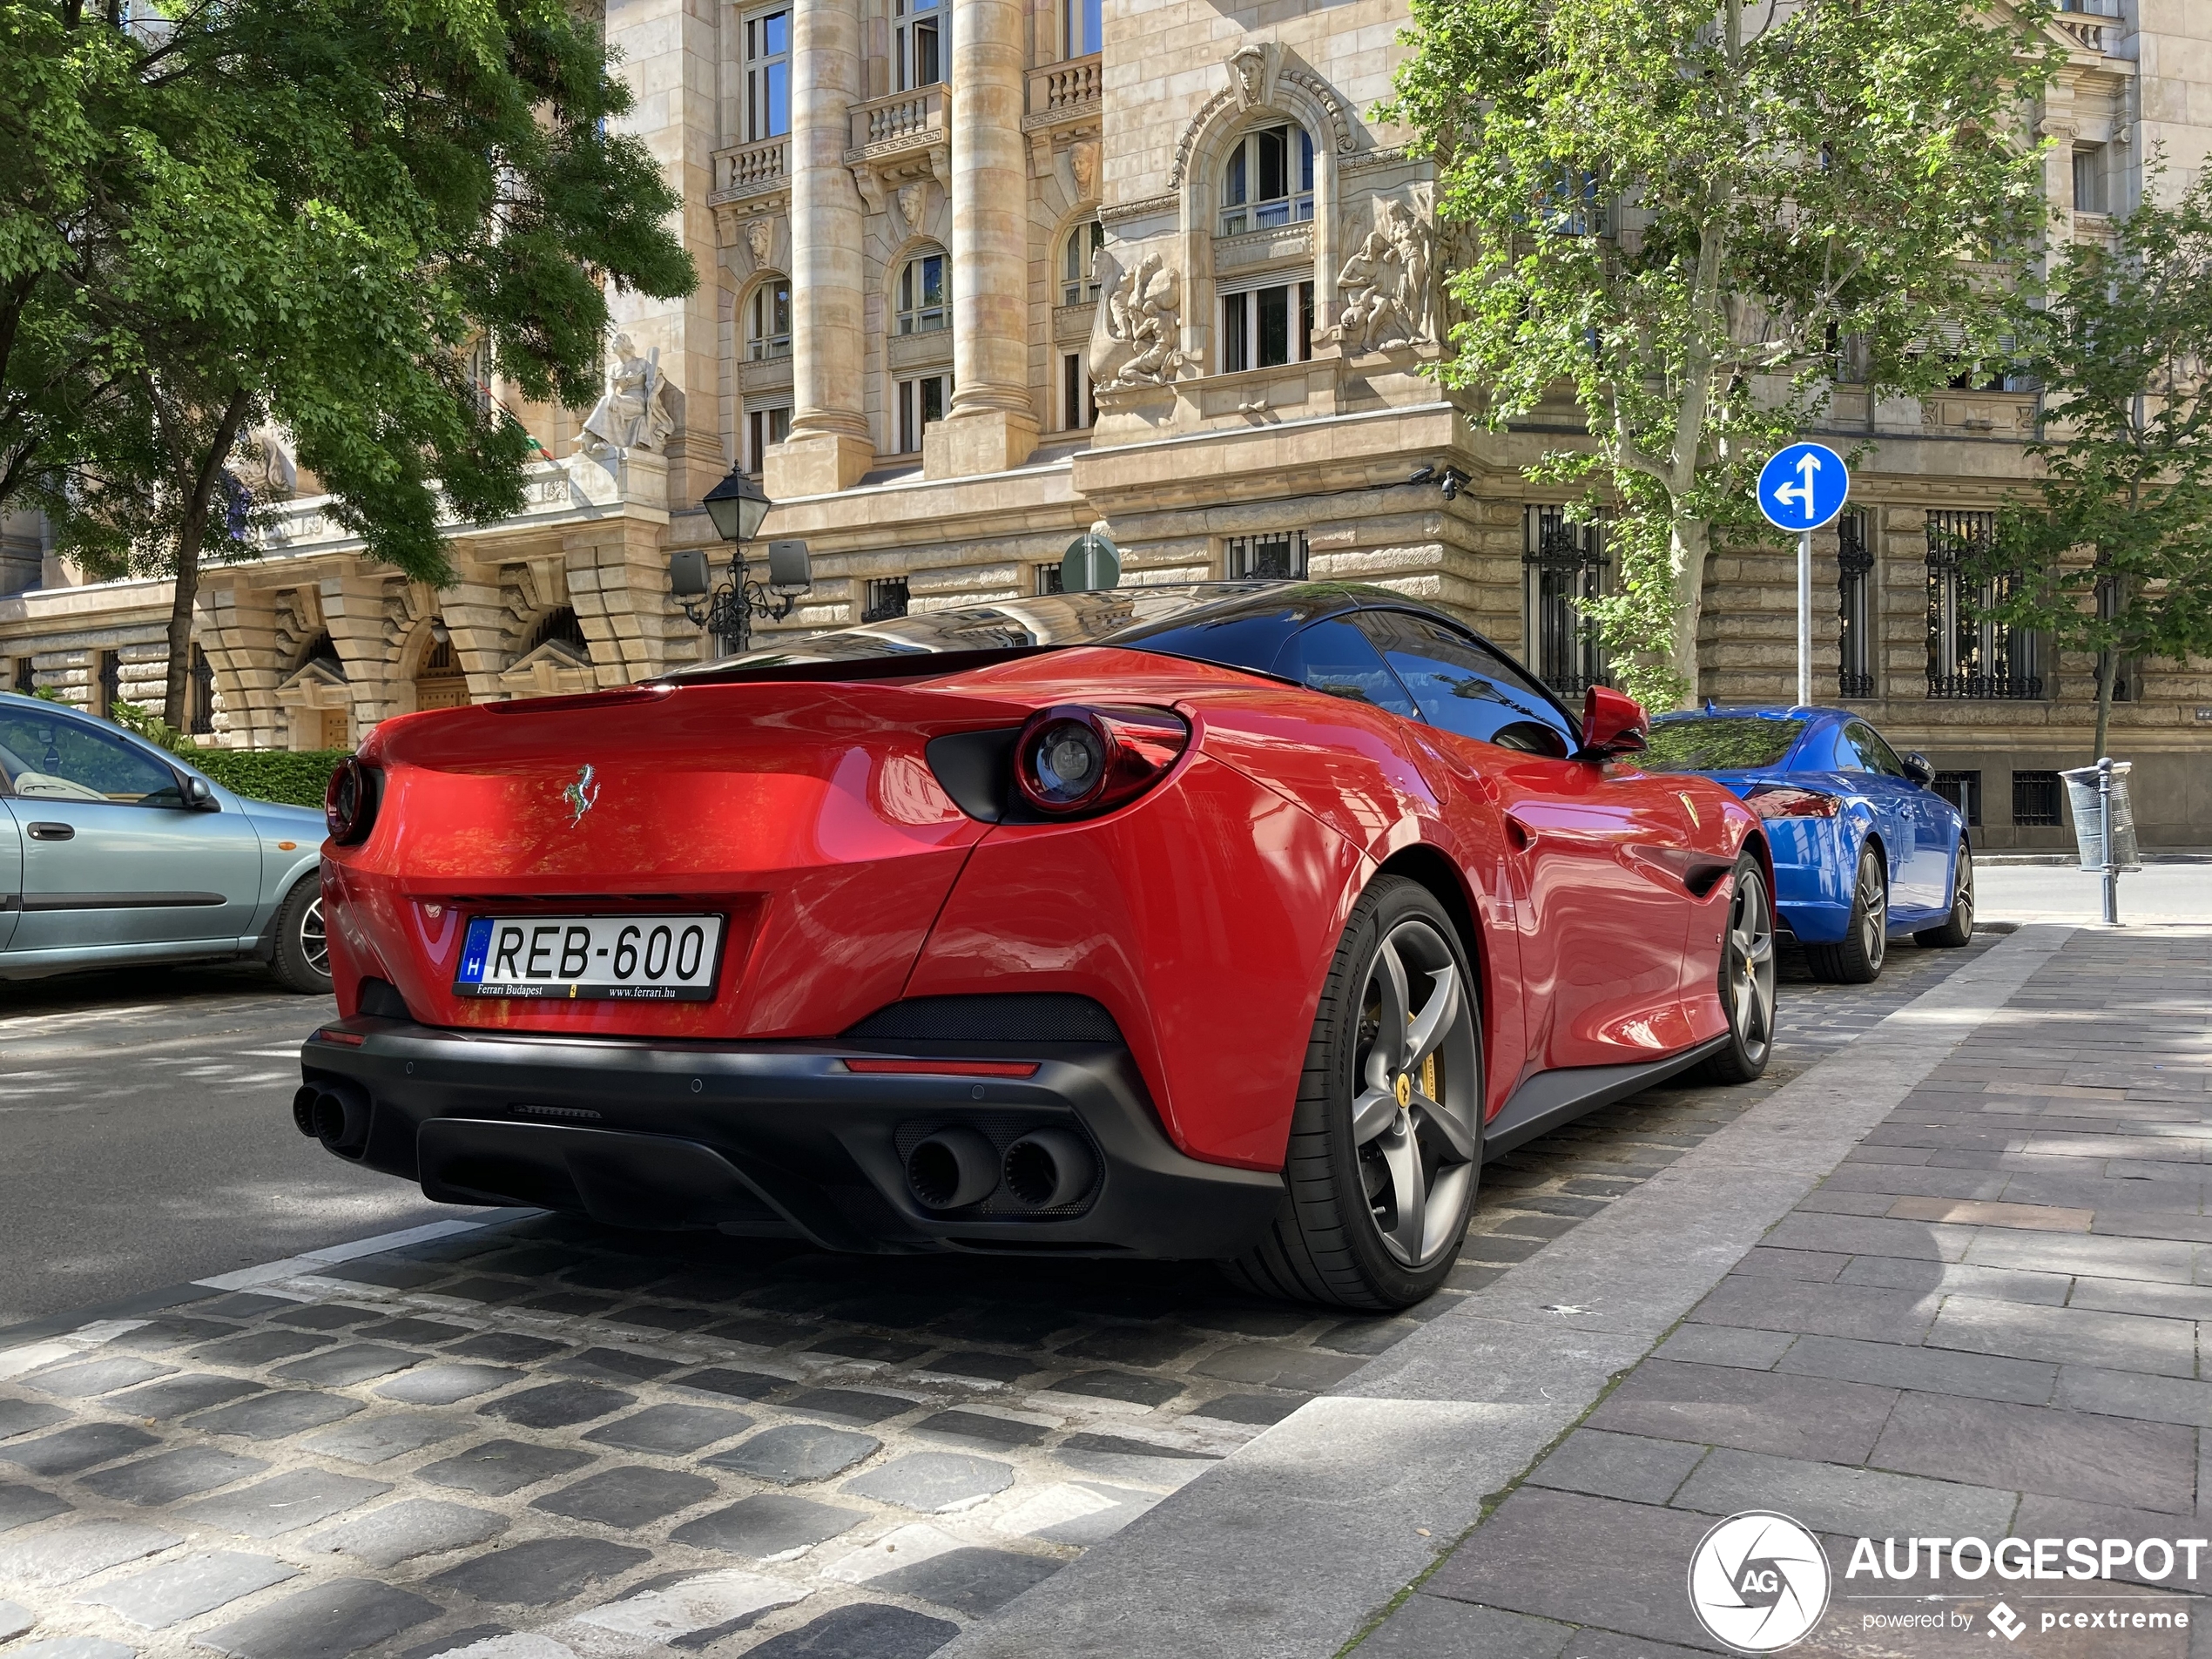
1758,1583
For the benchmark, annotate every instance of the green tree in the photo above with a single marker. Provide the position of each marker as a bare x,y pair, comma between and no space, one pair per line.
1686,211
310,213
2113,556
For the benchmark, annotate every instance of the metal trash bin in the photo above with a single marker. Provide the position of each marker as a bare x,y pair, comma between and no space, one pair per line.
2088,815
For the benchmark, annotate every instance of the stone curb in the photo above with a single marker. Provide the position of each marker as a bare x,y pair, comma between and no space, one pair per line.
1288,1546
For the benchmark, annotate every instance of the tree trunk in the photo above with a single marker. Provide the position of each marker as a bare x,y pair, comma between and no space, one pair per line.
2108,670
191,533
1689,540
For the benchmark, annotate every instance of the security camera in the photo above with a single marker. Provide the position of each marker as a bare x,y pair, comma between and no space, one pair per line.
1453,482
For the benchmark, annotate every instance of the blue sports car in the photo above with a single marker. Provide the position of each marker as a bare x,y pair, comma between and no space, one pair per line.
1864,850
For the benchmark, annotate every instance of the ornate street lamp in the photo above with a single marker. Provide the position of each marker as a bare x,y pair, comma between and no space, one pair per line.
737,506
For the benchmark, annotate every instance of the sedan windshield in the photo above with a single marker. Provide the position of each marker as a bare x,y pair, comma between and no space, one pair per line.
1719,743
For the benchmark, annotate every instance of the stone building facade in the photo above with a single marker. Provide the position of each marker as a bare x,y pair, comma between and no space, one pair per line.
977,275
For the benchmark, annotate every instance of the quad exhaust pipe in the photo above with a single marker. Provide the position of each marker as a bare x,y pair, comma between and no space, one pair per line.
335,1112
952,1169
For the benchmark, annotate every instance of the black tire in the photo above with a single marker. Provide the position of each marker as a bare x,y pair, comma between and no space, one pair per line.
1857,959
301,961
1958,927
1746,978
1368,1151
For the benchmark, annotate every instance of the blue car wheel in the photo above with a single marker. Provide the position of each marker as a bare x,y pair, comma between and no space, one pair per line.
1857,957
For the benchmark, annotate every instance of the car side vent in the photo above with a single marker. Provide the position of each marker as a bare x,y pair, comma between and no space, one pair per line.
1022,1017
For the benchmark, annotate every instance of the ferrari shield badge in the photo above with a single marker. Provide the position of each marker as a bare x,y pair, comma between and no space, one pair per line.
582,795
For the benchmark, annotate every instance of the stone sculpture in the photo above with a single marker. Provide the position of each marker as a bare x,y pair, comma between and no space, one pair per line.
1136,335
760,239
1383,289
633,412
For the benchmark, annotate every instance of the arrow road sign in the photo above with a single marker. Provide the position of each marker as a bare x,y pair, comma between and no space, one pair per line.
1804,487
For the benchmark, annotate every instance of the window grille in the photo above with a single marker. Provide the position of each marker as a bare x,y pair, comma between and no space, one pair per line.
1855,628
1564,568
561,624
26,675
110,682
1967,656
1962,790
2036,799
1278,556
202,721
887,598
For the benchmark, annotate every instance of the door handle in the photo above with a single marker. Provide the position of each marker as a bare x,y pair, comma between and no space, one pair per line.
51,832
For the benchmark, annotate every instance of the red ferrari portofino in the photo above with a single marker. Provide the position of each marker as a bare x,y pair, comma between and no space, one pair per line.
1236,922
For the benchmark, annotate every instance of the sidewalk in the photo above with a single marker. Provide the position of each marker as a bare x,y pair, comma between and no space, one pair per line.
1983,1323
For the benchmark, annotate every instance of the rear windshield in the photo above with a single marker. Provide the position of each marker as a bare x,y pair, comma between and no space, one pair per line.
1719,743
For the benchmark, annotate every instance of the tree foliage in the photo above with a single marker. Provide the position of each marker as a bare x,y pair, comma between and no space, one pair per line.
310,213
1687,212
2113,556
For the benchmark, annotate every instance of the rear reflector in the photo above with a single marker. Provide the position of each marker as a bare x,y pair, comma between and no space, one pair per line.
946,1067
349,1039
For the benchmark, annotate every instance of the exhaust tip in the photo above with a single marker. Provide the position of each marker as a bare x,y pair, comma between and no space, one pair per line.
339,1117
952,1169
303,1108
1049,1168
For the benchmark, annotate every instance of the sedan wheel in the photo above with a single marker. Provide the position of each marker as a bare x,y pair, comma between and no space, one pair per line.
1857,959
315,943
1746,978
301,961
1385,1141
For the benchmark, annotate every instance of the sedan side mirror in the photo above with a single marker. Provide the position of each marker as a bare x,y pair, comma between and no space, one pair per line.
1613,724
1920,769
200,796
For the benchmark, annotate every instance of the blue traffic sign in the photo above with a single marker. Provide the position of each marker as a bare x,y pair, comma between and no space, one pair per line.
1804,487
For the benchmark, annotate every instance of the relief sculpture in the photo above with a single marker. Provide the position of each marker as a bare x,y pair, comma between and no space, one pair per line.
1136,333
1384,288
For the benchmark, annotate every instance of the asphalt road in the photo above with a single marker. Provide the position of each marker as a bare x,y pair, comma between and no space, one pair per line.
2063,892
146,1138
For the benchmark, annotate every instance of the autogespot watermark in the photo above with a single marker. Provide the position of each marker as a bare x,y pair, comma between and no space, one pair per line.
1760,1582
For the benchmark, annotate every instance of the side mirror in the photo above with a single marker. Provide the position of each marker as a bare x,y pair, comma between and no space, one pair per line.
199,796
688,575
1613,725
1920,769
789,570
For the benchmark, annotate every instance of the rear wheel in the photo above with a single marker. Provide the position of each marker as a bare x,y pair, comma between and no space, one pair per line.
302,959
1746,978
1958,927
1866,943
1386,1139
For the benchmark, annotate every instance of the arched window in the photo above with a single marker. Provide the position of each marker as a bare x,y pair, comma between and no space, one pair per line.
1079,263
767,319
1268,180
925,295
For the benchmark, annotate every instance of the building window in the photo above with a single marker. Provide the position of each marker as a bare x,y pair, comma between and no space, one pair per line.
767,320
107,681
1268,180
922,401
562,624
2089,187
1266,327
480,373
1079,264
887,598
440,682
2036,799
1081,26
1962,790
201,714
925,294
24,679
1562,569
766,426
1078,407
918,42
1855,625
767,75
1046,578
1969,657
1275,556
1574,209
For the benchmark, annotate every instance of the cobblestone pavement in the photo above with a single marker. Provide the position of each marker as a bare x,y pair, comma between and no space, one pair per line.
537,1438
1986,1321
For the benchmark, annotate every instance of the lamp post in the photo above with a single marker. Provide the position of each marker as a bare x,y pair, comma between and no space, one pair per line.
737,506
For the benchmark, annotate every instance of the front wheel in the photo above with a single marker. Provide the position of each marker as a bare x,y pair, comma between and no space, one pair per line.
1385,1138
302,959
1958,927
1746,978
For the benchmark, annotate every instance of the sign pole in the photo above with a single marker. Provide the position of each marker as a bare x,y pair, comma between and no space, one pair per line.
2104,830
1804,619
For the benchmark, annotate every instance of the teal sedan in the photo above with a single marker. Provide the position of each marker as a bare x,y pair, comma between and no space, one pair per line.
113,851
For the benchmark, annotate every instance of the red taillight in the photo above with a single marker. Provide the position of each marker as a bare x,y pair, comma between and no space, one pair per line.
345,1039
1786,800
1073,760
946,1067
350,804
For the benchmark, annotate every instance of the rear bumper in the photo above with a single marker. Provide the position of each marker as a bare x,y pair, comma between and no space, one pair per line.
777,1139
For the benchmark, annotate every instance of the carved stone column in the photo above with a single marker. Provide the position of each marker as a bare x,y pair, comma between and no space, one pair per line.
993,423
830,446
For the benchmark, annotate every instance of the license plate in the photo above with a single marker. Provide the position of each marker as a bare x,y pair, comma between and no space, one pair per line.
642,959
